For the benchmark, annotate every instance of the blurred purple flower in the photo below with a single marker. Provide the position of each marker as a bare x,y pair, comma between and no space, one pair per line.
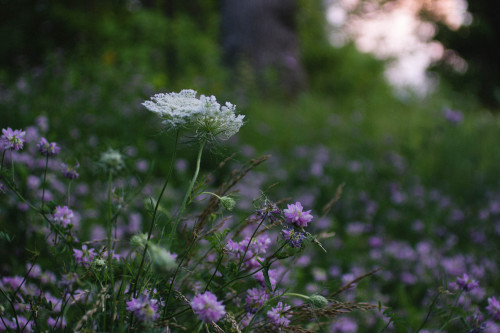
63,215
256,297
143,308
12,139
47,148
493,308
278,315
70,172
207,308
452,116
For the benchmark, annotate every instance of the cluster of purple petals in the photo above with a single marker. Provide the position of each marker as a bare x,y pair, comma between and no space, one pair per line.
143,308
47,148
452,116
207,308
493,308
70,172
279,315
63,215
85,256
256,297
293,237
18,324
270,211
295,214
58,323
466,283
250,249
12,139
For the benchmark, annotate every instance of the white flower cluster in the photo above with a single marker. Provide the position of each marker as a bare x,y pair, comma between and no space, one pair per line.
202,115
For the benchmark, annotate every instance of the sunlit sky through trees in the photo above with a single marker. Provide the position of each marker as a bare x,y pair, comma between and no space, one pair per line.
394,30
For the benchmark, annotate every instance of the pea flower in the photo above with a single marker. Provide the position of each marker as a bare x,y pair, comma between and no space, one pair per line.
207,308
203,115
493,308
295,214
292,237
63,215
466,283
69,172
143,308
47,148
12,139
278,315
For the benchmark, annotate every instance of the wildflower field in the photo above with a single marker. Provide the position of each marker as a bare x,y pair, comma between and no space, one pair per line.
176,196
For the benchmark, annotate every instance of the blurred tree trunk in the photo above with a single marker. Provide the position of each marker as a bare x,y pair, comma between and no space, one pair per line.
262,34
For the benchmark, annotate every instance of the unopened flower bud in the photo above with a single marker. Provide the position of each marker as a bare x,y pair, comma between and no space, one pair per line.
112,160
162,259
139,241
227,202
318,301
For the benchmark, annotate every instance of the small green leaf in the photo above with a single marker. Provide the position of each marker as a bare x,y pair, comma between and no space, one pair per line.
266,278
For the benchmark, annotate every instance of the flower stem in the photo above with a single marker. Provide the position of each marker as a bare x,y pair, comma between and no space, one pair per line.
153,219
44,180
173,232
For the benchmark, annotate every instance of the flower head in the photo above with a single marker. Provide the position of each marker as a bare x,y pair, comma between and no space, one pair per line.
63,215
278,316
12,139
48,148
295,214
84,257
452,116
207,308
293,237
69,172
493,308
203,115
256,297
143,308
112,160
466,283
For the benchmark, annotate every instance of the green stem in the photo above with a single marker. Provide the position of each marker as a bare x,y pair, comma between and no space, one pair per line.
216,269
3,158
249,242
173,232
110,247
12,164
44,180
155,212
449,320
69,193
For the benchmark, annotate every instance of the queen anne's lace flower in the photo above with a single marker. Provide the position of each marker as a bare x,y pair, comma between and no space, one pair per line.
203,115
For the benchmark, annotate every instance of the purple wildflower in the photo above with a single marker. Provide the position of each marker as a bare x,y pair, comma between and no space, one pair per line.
84,257
47,148
466,283
12,139
270,210
207,308
256,297
56,323
70,172
452,116
292,237
278,315
493,308
295,214
63,215
143,308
